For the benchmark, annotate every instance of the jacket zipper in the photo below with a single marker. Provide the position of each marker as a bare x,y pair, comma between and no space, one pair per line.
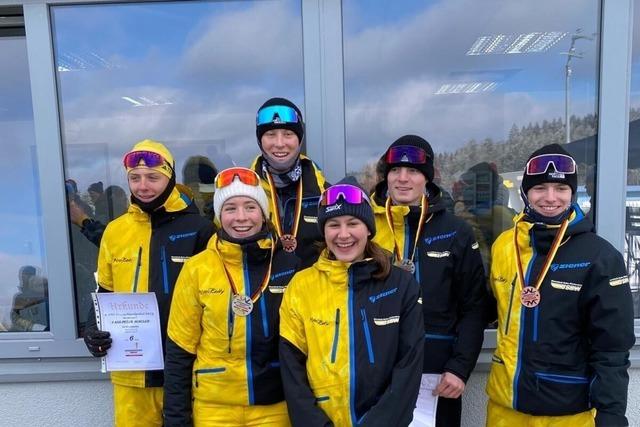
513,288
165,276
230,319
352,349
248,332
562,379
265,319
336,335
367,335
137,273
208,371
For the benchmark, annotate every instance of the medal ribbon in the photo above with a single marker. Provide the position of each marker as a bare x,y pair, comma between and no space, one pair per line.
424,203
548,260
265,280
277,221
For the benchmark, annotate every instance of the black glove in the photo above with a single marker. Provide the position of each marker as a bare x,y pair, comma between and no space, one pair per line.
98,342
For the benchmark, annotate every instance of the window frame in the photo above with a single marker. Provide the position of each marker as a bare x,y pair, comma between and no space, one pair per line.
58,354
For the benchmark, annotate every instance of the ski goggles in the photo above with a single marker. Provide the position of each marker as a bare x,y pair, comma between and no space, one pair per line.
276,114
227,176
349,193
151,160
540,164
406,154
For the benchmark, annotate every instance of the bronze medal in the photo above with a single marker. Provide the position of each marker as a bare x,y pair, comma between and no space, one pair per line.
289,242
407,265
241,305
530,297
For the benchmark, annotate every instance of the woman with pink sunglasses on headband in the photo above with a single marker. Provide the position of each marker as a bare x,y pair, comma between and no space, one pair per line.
351,325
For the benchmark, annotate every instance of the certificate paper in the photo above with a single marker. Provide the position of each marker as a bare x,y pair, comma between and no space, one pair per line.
134,324
425,413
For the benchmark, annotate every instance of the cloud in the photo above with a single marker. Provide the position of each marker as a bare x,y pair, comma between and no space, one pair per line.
254,44
393,70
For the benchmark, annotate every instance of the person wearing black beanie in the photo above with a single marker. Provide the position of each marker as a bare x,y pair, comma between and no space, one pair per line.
361,210
550,167
292,181
442,253
351,335
565,311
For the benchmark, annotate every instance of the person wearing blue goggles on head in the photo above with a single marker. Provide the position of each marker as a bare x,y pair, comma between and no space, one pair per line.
292,181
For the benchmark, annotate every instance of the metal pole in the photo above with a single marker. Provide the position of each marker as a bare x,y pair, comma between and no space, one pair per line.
567,98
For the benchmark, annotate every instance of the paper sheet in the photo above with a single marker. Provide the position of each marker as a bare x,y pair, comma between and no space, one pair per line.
134,324
425,413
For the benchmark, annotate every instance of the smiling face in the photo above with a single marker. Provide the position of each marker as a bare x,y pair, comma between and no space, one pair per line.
406,185
550,198
346,237
146,184
241,217
281,146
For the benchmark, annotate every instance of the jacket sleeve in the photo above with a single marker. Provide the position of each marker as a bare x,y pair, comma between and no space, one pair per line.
178,366
471,294
105,273
609,317
183,335
301,402
398,402
93,230
204,235
92,323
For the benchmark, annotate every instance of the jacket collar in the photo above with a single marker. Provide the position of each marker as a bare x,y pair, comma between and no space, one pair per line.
355,274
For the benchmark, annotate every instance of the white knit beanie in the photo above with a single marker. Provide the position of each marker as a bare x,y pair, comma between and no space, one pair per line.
238,188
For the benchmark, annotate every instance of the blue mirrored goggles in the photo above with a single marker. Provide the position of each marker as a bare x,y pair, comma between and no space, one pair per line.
276,114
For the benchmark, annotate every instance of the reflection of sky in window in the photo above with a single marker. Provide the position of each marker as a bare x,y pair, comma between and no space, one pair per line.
191,74
20,232
635,66
396,62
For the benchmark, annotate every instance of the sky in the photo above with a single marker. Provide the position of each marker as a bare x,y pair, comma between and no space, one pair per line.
200,70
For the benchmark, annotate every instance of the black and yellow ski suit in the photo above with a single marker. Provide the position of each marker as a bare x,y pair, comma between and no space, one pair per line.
450,272
351,347
570,353
313,184
226,363
145,253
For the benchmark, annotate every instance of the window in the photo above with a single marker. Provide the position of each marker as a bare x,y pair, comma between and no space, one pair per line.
24,300
486,83
632,229
188,74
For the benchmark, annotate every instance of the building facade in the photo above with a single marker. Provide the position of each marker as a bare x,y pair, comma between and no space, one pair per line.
485,83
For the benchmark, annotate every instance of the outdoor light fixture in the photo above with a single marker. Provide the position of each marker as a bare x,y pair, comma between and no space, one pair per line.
71,61
466,87
503,44
143,101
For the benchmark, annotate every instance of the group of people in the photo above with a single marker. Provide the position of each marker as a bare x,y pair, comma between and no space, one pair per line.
311,304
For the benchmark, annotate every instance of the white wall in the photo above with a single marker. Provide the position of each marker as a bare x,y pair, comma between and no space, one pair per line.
89,403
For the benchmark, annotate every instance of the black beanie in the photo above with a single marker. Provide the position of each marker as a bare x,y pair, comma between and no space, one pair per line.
96,187
528,181
297,128
426,169
362,211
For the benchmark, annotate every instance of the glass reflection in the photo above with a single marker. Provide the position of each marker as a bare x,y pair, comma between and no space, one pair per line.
189,74
24,301
632,229
486,83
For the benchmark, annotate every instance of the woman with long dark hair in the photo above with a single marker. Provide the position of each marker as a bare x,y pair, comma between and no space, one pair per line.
351,325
